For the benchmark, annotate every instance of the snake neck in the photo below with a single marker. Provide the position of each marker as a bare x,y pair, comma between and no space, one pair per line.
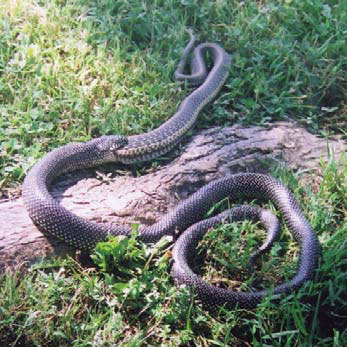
71,157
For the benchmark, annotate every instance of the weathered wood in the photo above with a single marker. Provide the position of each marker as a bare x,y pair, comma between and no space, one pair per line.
124,197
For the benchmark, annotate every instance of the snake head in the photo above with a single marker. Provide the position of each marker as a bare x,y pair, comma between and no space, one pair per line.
105,148
110,143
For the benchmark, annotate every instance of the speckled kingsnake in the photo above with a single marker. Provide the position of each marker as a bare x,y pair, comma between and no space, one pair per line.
49,215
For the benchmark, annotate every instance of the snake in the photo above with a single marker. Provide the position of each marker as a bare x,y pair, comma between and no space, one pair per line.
185,222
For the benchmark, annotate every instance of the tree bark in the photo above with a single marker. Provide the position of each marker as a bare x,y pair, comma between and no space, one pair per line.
125,196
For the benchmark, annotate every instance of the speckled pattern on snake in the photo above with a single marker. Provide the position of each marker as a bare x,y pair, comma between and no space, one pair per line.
186,218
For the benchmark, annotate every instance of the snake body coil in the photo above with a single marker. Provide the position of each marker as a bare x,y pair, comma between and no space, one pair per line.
53,218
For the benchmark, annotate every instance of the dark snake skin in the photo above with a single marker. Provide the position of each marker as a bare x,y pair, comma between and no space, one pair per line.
249,185
53,218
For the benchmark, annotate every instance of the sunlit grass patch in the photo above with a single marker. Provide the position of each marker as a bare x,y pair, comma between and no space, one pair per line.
72,70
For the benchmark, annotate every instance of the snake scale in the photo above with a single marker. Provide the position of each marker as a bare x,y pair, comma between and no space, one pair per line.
186,219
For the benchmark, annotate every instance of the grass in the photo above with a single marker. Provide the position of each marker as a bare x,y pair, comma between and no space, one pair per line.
72,70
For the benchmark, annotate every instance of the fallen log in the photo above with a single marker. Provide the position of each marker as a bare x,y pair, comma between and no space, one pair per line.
119,194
